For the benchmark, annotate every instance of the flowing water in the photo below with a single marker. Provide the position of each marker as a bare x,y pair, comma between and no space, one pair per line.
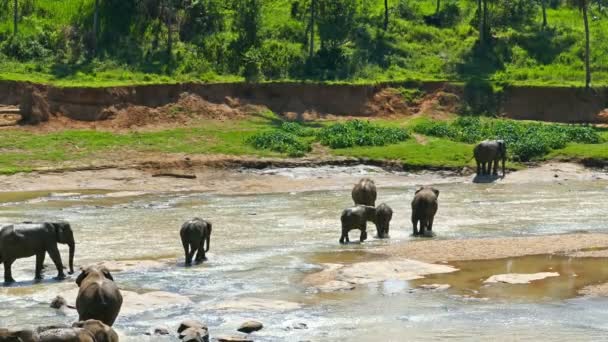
263,244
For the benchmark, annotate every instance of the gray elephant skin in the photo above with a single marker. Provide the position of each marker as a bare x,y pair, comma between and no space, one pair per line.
86,331
364,192
357,217
28,239
384,214
195,234
487,155
424,208
98,297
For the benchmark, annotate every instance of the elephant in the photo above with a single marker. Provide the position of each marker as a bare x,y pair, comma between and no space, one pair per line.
384,214
364,192
27,239
18,336
194,234
487,155
424,208
84,331
98,297
357,217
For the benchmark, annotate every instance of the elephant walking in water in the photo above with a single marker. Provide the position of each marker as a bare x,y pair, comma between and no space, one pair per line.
357,217
28,239
487,155
364,192
195,233
98,298
424,208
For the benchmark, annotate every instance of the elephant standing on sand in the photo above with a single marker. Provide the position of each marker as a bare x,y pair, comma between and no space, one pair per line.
364,192
424,208
490,152
98,298
28,239
195,233
356,218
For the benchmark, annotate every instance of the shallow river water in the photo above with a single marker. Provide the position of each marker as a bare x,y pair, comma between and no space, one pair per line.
263,244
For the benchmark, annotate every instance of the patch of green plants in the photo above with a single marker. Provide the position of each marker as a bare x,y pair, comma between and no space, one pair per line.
360,133
297,129
279,141
525,140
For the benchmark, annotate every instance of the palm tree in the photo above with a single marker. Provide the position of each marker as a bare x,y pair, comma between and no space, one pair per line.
15,15
583,6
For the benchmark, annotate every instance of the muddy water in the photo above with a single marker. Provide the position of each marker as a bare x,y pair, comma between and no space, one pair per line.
263,244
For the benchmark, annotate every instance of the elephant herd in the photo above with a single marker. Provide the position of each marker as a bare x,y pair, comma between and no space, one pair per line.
99,300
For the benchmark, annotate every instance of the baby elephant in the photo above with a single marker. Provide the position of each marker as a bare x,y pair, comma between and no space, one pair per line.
98,298
356,218
194,234
384,214
424,208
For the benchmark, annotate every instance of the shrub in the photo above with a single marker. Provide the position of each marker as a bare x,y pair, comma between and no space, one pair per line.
360,133
297,129
279,141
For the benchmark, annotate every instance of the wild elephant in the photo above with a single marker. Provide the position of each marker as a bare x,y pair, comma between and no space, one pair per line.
487,155
98,297
28,239
424,208
357,217
364,192
84,331
194,234
384,214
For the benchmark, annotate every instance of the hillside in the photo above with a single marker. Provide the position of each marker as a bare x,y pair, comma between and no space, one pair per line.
266,40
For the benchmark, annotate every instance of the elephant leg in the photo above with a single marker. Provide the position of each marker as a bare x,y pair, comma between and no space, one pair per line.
56,257
8,275
200,255
430,227
39,263
190,256
363,235
187,260
478,168
495,170
415,225
344,236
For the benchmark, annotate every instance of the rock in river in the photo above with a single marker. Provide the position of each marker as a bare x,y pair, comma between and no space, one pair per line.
250,326
519,278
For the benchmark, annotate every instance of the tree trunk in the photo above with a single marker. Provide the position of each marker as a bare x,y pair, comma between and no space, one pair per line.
587,46
312,28
95,27
543,4
485,20
438,7
169,36
15,15
480,17
385,15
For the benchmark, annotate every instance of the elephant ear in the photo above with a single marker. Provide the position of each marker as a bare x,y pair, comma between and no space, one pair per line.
83,274
419,189
436,192
106,273
62,229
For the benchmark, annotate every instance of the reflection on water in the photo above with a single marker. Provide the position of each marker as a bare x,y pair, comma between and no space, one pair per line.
574,274
262,244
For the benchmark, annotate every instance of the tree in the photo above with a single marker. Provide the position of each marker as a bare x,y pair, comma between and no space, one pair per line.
95,26
386,14
247,23
438,7
313,13
15,16
583,6
543,4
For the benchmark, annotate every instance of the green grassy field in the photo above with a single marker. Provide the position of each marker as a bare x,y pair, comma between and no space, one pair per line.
53,33
24,151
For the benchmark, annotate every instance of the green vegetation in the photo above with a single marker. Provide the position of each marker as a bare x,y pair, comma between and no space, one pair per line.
525,140
163,41
360,133
279,141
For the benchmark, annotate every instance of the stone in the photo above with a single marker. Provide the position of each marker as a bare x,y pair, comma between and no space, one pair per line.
159,331
250,326
195,335
435,287
233,338
190,323
519,278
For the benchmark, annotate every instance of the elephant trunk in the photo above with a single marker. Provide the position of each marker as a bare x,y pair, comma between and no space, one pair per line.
208,239
72,247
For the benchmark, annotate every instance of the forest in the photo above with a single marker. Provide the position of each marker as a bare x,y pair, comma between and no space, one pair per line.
112,42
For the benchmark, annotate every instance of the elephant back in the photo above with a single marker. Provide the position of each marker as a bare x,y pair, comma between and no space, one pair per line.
364,192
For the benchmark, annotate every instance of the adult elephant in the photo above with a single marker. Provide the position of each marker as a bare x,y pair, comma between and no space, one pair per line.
85,331
98,297
424,208
194,234
28,239
364,192
487,155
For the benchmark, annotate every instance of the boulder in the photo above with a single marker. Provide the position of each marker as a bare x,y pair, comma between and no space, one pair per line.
194,335
190,323
233,338
159,331
250,326
519,278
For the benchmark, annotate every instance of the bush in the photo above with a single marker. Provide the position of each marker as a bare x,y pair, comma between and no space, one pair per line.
297,129
360,133
525,141
279,141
